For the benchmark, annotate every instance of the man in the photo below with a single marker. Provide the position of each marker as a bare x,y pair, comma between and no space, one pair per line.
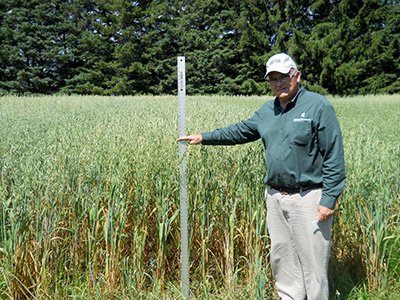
306,175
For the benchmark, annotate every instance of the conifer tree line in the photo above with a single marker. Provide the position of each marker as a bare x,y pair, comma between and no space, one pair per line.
121,47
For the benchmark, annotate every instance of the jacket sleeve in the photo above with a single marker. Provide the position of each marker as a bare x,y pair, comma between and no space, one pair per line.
239,133
331,147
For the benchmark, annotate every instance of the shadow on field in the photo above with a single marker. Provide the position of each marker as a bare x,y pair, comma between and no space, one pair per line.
346,271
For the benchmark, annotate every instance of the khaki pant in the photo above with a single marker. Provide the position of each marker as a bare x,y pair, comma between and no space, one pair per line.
299,249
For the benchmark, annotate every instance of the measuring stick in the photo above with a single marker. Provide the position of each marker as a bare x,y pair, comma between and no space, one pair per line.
183,177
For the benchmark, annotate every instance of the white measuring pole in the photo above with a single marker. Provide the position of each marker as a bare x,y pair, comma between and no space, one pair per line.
183,177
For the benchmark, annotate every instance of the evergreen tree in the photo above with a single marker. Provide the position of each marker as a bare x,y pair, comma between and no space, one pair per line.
359,56
256,37
94,46
342,47
208,37
30,53
125,47
134,74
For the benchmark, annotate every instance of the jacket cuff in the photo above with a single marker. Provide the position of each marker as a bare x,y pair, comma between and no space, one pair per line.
206,136
327,201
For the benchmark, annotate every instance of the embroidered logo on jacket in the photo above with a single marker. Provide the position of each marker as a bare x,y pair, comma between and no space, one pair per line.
302,119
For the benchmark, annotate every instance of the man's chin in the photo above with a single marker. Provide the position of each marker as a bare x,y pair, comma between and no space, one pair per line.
283,95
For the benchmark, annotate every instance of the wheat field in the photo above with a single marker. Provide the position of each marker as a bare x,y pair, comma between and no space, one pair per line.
89,191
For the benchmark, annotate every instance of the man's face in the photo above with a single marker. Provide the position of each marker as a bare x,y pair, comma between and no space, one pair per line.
284,86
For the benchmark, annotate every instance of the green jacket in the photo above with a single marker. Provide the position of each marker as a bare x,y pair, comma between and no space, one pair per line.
303,143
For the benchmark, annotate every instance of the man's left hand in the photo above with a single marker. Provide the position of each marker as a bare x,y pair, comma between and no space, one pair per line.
324,213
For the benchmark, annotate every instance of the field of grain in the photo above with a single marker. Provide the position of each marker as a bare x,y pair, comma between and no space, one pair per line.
89,193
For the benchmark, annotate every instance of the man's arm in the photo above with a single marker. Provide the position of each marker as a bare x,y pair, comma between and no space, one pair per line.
333,169
239,133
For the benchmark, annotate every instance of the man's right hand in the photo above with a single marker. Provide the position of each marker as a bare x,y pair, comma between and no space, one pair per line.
193,139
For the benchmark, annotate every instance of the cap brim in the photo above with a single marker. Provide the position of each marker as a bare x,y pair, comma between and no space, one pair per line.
282,70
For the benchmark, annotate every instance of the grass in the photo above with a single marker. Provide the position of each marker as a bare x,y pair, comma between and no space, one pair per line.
89,191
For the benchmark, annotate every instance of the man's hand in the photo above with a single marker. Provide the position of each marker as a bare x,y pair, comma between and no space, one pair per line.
324,213
193,139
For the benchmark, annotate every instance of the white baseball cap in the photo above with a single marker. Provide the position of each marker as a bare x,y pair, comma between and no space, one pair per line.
281,63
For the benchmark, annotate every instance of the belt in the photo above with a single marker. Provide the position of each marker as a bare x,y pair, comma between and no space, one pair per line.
285,190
